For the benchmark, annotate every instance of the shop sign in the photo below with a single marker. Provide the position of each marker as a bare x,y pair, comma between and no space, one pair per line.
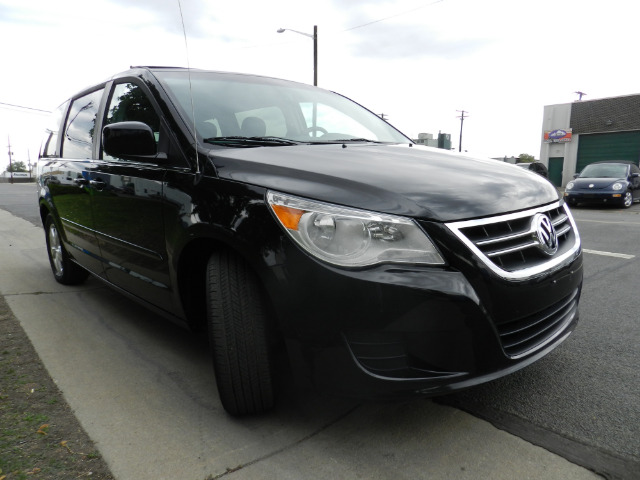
557,136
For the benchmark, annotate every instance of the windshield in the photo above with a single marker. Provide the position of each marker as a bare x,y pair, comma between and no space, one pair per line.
230,108
604,170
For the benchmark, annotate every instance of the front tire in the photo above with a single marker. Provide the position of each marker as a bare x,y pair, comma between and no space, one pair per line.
627,200
65,271
238,336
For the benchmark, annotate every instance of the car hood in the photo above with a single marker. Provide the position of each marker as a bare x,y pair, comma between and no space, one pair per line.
598,183
419,182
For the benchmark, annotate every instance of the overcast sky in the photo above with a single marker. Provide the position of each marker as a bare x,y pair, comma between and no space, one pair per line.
417,61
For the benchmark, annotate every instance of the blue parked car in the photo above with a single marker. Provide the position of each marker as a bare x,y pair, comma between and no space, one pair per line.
616,182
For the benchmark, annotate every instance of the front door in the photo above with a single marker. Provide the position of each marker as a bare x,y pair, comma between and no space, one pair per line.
556,165
128,208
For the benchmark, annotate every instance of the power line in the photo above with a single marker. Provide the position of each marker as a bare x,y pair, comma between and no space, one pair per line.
393,16
25,108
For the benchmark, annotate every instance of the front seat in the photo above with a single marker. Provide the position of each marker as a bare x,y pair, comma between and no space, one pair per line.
208,130
253,127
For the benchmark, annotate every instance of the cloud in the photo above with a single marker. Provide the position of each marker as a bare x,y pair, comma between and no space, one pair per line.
379,29
167,15
412,41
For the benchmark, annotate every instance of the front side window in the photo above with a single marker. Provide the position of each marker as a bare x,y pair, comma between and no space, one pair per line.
129,103
80,126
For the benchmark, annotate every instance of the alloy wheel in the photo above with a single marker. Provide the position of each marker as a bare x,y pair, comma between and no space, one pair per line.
55,250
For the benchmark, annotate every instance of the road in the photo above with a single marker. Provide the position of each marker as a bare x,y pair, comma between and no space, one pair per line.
143,389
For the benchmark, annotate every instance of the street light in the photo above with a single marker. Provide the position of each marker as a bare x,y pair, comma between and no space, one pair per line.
315,49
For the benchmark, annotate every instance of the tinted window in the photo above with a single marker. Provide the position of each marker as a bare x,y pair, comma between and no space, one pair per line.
129,103
80,127
50,143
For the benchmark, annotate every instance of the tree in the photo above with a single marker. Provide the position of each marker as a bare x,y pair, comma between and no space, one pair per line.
17,167
526,158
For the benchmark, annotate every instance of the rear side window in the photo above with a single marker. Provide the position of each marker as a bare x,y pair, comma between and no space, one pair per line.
80,126
50,142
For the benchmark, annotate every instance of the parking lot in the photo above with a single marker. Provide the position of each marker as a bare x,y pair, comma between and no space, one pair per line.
144,391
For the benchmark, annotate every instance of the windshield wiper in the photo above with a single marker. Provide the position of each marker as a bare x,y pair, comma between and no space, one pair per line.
251,141
351,140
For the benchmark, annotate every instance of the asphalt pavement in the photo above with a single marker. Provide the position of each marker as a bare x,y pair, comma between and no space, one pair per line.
144,391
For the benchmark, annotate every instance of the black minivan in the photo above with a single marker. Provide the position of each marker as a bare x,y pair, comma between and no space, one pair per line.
282,218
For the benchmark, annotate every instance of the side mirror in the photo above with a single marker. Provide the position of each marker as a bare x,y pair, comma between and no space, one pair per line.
575,175
128,139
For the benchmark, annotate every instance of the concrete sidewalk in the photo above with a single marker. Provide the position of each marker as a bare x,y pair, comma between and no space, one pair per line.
145,393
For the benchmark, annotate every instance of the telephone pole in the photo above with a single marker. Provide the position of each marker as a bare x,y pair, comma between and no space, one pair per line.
461,117
10,153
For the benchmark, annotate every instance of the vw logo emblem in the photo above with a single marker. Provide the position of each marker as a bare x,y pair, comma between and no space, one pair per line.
544,233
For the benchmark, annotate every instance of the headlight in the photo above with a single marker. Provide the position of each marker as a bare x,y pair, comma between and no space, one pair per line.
569,186
352,238
617,186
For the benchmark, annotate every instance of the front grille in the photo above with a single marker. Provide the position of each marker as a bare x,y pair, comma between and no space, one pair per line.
509,244
523,335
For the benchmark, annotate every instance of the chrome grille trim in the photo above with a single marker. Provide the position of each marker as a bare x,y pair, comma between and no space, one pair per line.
518,240
523,336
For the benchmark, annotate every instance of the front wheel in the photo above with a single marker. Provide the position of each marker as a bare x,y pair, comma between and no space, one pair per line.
64,269
238,335
627,200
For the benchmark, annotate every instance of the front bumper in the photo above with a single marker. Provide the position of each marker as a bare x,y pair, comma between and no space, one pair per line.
600,197
394,331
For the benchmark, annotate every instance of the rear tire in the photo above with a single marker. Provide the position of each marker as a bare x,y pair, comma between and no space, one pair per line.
238,336
65,271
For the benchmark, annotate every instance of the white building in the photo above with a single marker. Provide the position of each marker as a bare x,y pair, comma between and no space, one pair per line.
579,133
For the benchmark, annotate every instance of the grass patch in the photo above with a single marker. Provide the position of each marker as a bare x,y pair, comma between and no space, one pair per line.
40,437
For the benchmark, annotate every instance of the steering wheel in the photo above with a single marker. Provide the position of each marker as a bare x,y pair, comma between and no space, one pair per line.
317,129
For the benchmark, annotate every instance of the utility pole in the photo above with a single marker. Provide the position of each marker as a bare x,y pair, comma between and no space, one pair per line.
580,94
314,37
10,153
315,55
461,117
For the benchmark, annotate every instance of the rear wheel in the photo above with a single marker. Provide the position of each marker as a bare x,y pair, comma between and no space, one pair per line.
64,269
238,335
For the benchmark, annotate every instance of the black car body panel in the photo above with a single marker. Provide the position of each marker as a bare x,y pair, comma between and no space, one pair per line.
501,290
416,183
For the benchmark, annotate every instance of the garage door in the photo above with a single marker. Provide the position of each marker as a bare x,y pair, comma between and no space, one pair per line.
608,146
